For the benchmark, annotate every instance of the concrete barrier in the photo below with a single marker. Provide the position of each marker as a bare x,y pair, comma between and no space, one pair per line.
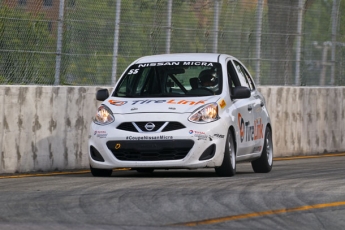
46,128
306,120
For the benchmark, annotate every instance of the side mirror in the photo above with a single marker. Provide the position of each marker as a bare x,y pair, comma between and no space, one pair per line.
102,94
241,92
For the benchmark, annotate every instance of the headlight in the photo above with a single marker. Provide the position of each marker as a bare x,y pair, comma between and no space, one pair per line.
205,114
104,116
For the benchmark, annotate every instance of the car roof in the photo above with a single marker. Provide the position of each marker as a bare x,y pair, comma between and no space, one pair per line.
208,57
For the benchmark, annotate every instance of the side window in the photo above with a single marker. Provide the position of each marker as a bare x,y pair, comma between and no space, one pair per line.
233,81
231,74
241,75
249,79
244,77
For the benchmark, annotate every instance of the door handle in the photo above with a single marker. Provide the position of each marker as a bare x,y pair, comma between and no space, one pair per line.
262,104
250,107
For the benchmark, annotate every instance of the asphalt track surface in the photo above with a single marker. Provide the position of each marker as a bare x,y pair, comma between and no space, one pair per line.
297,194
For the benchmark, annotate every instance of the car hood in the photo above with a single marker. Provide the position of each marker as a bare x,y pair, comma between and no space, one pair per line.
157,105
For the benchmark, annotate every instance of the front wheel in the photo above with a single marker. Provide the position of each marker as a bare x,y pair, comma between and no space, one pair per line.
101,172
228,167
265,162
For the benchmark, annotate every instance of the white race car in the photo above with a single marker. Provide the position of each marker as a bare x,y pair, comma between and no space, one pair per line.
181,111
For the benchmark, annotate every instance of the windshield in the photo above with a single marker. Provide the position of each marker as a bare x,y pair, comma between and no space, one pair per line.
171,79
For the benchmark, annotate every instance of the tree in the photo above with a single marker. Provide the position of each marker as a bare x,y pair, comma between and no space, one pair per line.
88,39
282,20
23,38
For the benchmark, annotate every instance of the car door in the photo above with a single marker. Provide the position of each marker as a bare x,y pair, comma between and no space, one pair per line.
244,111
260,117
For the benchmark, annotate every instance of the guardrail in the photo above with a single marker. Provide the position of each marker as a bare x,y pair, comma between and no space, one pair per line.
46,128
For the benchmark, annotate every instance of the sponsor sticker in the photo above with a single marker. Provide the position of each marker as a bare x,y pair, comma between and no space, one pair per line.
215,136
144,102
185,102
158,137
196,132
100,134
241,126
189,63
222,104
250,132
218,135
117,103
199,134
258,129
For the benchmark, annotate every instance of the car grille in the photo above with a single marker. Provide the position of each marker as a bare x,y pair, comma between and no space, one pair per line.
140,126
150,150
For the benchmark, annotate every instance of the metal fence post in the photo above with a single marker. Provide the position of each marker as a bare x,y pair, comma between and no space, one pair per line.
298,43
167,48
258,40
335,10
116,42
216,22
59,42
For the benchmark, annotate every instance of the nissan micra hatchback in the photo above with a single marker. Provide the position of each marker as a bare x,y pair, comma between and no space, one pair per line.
181,111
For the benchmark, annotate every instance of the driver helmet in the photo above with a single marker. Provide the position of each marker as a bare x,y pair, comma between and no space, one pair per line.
208,78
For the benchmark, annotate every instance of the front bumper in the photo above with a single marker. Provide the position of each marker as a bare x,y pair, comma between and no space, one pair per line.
190,145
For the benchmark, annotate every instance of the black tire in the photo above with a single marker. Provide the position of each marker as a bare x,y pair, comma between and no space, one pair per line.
145,170
228,167
265,162
101,172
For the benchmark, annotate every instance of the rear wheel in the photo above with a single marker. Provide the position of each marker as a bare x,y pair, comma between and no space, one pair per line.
101,172
265,162
228,167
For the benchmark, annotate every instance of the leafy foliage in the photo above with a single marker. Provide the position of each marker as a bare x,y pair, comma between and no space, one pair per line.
27,47
24,45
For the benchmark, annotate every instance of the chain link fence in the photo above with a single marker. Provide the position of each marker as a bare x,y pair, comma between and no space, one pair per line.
82,42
